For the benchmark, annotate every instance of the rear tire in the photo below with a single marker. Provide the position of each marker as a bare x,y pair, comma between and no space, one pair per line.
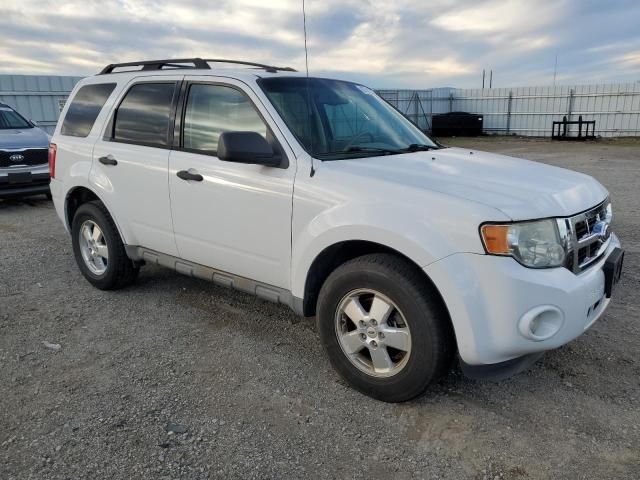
412,326
99,250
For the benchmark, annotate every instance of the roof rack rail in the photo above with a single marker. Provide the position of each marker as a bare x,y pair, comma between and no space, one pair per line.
193,63
158,64
268,68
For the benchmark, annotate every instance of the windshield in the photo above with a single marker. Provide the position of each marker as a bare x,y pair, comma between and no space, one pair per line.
11,119
335,120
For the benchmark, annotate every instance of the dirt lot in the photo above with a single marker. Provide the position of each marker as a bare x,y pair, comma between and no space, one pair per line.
253,394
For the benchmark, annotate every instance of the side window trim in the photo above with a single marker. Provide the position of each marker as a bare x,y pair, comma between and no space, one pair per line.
181,106
111,125
182,109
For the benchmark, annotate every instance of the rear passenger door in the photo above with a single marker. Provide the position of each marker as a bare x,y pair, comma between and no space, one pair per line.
237,218
130,161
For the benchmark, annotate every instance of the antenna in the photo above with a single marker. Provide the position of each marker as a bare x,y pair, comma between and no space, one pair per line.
306,64
304,27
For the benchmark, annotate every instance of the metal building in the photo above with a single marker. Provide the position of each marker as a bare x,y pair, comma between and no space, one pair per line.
37,97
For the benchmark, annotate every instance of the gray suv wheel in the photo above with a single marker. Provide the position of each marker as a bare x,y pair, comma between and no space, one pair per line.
99,250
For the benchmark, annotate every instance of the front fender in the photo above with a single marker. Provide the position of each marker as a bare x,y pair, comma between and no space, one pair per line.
421,237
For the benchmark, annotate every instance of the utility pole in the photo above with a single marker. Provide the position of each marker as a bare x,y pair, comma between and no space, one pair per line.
490,78
483,78
555,70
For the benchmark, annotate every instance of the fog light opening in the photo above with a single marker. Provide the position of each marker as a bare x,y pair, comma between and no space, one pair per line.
541,323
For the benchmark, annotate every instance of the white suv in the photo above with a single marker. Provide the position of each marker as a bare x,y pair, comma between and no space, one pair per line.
317,194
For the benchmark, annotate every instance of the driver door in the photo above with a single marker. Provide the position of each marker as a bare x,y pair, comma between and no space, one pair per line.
237,217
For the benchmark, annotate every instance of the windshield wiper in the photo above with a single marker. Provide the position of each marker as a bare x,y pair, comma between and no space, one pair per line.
419,147
358,148
414,147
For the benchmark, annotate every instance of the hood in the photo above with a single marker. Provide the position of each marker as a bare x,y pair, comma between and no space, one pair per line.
521,189
23,138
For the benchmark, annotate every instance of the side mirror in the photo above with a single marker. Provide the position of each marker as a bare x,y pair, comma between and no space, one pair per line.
247,147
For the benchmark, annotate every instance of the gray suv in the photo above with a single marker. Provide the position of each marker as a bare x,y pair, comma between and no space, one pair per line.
24,149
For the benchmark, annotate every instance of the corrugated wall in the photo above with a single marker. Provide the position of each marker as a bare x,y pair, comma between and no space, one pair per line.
37,97
530,110
523,110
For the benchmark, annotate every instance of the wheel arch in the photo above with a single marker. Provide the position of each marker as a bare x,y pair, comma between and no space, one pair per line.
332,256
79,195
75,197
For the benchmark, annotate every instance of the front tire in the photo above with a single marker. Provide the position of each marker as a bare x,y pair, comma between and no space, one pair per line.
384,327
99,250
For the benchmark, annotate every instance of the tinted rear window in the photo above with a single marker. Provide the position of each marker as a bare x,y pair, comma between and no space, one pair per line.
144,115
85,108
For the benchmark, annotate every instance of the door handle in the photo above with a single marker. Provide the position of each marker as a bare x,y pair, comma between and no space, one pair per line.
108,160
187,175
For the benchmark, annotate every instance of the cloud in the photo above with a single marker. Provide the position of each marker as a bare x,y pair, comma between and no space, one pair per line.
630,59
404,43
501,16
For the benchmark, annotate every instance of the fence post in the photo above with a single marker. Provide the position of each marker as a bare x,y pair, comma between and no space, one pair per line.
509,112
570,109
430,110
571,93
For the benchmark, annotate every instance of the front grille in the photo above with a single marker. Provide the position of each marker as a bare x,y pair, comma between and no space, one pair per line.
588,252
581,229
588,241
585,222
31,156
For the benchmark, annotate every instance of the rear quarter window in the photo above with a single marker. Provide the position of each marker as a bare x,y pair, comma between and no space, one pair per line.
85,108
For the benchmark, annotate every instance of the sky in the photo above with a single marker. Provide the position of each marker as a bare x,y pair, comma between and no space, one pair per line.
381,43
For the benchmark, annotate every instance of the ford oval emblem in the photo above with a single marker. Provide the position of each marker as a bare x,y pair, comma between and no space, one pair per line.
16,157
602,230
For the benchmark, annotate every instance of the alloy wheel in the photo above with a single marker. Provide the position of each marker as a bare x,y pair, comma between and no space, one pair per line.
93,247
373,333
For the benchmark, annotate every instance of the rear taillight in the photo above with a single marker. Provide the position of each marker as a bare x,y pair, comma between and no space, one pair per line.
53,150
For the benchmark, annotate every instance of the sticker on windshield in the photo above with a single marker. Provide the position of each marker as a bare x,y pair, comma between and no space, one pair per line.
365,90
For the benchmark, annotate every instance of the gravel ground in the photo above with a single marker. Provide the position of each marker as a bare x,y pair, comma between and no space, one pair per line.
178,378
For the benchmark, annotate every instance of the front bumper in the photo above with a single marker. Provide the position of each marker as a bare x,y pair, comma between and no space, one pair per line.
500,309
35,180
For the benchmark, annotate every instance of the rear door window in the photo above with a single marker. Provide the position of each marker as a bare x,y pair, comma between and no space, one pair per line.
144,115
85,108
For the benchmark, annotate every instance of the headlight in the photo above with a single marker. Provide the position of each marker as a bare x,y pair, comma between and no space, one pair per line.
536,244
